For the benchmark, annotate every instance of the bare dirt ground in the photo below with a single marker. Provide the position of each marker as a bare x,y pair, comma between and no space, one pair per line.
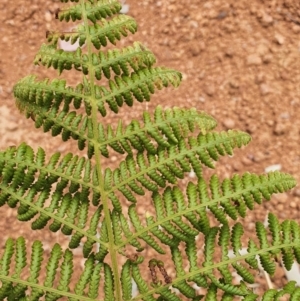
240,62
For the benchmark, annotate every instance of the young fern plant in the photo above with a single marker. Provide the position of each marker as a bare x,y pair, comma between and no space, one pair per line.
89,204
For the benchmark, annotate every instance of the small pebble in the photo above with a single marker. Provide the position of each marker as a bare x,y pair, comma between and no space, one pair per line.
259,157
210,90
234,84
237,166
262,49
280,207
251,128
228,123
279,129
296,192
229,52
266,20
275,167
251,226
296,28
264,89
246,161
48,16
113,158
267,58
279,39
222,15
254,59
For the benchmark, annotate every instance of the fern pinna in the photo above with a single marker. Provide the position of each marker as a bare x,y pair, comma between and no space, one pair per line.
97,207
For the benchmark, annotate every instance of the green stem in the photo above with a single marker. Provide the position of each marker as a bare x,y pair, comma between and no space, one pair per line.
104,199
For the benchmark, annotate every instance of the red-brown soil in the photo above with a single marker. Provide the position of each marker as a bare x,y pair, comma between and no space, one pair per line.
240,62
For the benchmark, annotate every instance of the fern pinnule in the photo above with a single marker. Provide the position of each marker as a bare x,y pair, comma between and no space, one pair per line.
118,61
93,12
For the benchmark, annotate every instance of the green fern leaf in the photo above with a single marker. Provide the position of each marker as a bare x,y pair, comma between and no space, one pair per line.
126,281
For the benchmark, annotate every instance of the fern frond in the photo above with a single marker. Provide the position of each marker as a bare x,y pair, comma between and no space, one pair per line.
181,218
120,61
170,163
98,33
27,180
184,280
48,95
266,251
59,271
289,289
94,11
176,123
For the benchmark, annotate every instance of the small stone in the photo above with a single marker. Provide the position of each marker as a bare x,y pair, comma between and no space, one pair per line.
11,126
219,56
228,123
296,28
210,90
234,84
264,89
262,49
48,16
280,207
176,20
254,59
222,15
229,52
251,226
274,167
61,148
267,58
284,75
296,192
246,161
259,157
194,24
196,49
293,204
266,20
251,128
260,78
237,166
279,39
282,215
283,198
10,22
279,129
113,158
285,115
201,75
